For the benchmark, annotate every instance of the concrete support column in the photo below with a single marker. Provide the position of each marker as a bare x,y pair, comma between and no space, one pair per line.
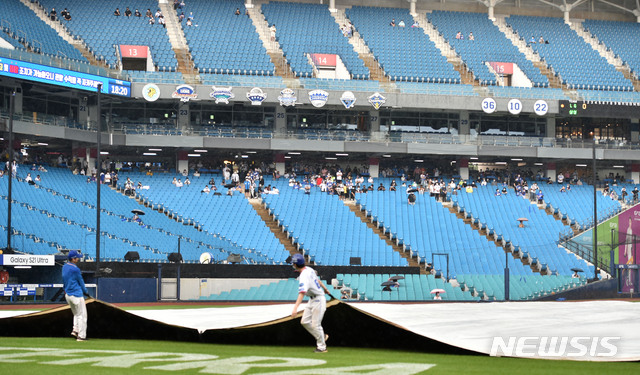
248,4
17,100
91,155
491,14
83,111
374,117
635,130
183,116
280,163
182,161
463,168
280,120
374,167
464,125
92,116
635,173
332,6
412,7
551,171
550,129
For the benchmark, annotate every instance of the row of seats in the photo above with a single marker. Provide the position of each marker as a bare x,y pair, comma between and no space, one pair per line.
489,44
401,52
237,45
91,20
298,38
590,69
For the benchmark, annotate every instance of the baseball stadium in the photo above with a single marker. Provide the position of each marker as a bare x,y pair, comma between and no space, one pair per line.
417,186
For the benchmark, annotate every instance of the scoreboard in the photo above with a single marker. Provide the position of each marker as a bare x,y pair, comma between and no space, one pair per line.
63,77
570,108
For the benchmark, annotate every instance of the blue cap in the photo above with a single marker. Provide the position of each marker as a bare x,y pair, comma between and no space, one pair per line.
74,254
297,259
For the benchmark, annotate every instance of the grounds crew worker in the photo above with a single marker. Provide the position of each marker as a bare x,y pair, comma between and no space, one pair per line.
75,291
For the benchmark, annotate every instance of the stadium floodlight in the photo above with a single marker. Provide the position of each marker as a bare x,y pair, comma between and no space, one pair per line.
342,154
516,159
581,165
386,156
42,144
618,166
149,154
199,150
193,155
538,164
418,161
104,152
155,149
501,163
287,157
293,153
331,158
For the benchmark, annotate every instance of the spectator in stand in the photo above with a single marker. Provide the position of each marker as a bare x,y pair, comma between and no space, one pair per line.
237,12
540,197
459,35
137,13
152,21
149,14
272,29
393,23
205,190
189,23
415,24
471,37
541,40
53,15
181,17
158,13
127,12
176,4
401,23
635,194
532,40
67,17
117,12
161,21
64,13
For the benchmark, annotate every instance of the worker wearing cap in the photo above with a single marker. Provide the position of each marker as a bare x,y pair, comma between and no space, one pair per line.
74,294
311,286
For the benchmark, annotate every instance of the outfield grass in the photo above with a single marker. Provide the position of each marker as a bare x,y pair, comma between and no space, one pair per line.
336,358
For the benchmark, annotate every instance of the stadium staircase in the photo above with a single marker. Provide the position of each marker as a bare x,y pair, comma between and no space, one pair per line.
273,225
78,44
605,52
384,235
554,81
283,69
361,48
179,45
466,76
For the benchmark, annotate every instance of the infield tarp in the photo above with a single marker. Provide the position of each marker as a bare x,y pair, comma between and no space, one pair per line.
433,327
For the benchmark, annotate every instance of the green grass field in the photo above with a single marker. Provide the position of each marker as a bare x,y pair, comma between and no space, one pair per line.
92,357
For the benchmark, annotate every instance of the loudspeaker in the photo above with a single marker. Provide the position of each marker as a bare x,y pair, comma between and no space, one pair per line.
355,261
174,257
131,256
